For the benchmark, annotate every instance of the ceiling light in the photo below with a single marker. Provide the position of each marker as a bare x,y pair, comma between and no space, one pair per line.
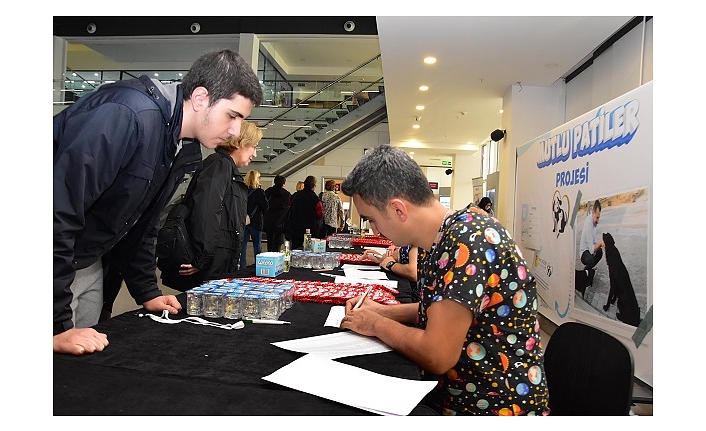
430,60
420,107
416,126
423,87
501,111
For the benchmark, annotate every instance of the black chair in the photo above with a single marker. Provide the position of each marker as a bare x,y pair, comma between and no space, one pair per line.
589,372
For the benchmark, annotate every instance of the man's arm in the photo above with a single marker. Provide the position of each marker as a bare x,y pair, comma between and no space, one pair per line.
436,348
89,149
79,341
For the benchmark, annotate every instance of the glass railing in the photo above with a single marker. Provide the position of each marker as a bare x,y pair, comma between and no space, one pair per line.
291,110
313,105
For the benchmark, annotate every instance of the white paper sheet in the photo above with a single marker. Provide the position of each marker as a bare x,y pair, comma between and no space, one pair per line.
335,315
346,266
353,386
336,345
372,273
343,279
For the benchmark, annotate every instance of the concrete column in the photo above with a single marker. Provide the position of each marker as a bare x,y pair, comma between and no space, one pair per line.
58,73
249,48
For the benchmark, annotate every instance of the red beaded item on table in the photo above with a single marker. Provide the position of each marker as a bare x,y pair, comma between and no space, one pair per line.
371,241
355,258
327,292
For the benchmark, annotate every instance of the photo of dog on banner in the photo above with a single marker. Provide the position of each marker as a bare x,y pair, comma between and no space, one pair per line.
611,236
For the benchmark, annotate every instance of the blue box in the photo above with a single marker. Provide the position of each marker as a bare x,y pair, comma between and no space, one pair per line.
318,245
270,264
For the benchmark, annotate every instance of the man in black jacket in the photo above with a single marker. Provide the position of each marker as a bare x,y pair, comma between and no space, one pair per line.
119,154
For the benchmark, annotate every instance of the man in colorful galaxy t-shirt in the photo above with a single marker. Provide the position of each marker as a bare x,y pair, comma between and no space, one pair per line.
475,327
475,261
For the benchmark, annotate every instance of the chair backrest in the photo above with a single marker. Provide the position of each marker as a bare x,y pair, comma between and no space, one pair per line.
589,372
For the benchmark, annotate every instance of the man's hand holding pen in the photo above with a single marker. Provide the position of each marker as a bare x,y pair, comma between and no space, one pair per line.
361,314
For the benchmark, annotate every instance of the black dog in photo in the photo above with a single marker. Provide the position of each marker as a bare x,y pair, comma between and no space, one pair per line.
559,216
620,285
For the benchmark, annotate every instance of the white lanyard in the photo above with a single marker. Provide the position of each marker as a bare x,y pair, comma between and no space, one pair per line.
164,318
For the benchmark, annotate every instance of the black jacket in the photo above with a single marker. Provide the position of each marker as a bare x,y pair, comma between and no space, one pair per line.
114,171
306,212
257,206
217,197
279,199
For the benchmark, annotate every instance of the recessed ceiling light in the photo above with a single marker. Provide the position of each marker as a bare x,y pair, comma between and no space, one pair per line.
420,107
416,126
501,111
423,87
430,60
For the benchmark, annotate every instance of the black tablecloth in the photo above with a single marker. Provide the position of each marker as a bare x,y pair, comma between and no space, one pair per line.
151,368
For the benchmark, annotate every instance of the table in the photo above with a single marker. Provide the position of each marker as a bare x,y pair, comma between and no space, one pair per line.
184,369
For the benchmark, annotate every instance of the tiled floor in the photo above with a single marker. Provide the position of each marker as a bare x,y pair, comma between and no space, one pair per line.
124,303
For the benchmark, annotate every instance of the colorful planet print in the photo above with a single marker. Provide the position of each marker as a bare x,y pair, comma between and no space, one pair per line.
492,236
475,351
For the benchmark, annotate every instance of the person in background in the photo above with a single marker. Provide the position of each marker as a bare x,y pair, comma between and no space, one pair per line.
218,199
333,210
306,212
119,155
401,261
590,245
257,205
486,205
299,186
279,199
475,329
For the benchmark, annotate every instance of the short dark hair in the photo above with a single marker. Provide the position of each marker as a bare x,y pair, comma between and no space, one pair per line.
596,205
386,173
280,180
310,182
224,74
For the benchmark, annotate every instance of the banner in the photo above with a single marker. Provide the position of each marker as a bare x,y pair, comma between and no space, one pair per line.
590,180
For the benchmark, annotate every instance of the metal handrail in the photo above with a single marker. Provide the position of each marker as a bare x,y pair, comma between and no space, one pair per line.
325,87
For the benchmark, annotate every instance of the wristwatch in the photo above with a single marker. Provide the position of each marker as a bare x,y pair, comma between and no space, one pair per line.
389,265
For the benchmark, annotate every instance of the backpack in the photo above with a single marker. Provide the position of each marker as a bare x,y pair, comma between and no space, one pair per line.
174,246
173,240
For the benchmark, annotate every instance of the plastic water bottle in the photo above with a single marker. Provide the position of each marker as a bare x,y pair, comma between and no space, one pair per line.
286,249
307,240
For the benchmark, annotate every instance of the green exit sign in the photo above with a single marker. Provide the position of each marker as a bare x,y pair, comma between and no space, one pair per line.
446,162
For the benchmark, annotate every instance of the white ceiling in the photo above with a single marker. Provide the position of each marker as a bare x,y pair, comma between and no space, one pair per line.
478,60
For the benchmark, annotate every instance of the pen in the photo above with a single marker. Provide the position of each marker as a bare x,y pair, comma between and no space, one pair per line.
360,301
267,322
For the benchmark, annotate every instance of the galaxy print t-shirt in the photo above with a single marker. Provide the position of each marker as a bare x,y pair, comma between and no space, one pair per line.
475,262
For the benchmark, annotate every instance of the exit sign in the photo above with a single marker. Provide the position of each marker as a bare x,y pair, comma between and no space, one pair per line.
446,162
434,186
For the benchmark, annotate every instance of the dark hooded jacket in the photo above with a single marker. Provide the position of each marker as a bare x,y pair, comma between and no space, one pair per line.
115,168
